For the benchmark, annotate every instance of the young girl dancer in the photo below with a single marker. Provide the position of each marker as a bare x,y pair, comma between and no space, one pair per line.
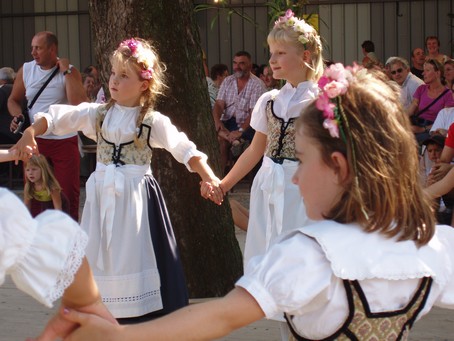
131,248
42,190
275,207
373,261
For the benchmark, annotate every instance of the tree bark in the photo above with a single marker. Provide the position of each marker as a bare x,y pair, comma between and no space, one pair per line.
205,232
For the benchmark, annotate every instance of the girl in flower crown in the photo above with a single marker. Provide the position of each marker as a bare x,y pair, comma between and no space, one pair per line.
131,248
296,56
275,205
371,263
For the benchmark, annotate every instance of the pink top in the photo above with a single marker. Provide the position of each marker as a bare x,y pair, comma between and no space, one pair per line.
424,100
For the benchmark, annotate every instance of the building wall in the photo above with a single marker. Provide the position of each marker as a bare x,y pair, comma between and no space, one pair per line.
396,27
68,19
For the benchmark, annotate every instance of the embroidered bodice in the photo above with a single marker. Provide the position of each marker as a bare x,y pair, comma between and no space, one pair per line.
364,325
128,152
281,136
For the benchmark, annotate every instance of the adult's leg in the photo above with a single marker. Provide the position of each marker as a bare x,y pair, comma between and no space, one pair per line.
65,159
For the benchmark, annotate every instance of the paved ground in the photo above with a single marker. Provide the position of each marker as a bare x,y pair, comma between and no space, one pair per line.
21,316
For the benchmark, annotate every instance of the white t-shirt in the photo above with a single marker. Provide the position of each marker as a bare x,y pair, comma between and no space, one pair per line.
444,119
55,92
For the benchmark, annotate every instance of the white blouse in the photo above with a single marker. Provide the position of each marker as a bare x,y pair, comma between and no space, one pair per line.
302,274
43,254
288,103
119,126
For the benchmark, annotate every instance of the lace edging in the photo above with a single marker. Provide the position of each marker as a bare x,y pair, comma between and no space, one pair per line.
72,265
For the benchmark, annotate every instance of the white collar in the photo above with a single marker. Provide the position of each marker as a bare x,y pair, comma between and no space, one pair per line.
357,255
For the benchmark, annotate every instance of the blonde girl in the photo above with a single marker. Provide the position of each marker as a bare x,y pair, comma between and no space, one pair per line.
275,206
132,248
371,263
42,190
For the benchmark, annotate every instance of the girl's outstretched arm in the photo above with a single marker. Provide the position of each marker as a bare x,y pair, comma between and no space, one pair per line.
12,155
204,321
7,155
246,162
443,186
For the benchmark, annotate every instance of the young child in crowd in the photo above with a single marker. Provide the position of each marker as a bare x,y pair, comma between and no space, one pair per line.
433,146
42,190
275,205
367,260
131,248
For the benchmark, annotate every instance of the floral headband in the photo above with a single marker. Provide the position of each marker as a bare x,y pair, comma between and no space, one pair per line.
333,84
299,25
137,51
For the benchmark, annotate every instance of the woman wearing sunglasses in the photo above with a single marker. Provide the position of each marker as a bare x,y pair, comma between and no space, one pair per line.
429,99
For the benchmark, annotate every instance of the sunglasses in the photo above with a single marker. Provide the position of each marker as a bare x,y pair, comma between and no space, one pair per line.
399,70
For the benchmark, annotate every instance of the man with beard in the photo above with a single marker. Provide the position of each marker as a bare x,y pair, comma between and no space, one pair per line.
233,107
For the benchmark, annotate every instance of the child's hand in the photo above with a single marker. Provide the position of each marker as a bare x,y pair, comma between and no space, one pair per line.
60,327
438,172
25,147
212,190
16,155
91,327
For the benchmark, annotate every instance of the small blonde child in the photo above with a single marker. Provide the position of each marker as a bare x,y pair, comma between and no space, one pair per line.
42,190
372,262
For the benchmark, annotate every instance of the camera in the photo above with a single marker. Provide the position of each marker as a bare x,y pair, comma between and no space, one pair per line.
20,123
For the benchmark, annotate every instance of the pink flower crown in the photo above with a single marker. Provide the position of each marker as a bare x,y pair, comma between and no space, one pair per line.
298,25
333,84
137,51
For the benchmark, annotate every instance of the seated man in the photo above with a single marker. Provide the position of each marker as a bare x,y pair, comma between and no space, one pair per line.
233,107
400,73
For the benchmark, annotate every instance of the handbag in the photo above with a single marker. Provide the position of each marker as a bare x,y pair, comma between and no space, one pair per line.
416,120
26,121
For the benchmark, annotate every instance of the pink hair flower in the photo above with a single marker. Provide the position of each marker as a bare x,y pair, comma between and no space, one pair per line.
146,74
334,89
332,126
289,14
324,104
323,81
336,72
133,46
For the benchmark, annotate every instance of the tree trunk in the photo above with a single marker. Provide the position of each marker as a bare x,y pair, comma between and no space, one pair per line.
204,231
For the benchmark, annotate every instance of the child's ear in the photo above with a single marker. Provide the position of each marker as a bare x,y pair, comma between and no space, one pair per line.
145,85
340,163
307,57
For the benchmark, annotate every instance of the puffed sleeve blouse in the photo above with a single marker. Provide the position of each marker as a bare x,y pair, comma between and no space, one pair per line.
41,255
302,274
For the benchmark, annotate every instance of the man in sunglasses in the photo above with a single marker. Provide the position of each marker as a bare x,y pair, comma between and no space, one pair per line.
400,73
